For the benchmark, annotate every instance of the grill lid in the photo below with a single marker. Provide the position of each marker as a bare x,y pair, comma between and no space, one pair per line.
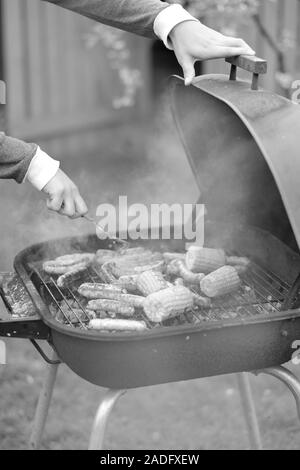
243,147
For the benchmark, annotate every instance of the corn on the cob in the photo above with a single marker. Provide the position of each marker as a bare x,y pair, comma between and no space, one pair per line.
220,282
168,303
109,305
151,281
204,260
109,324
96,290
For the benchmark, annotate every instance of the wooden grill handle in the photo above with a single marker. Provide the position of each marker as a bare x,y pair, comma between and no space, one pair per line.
252,64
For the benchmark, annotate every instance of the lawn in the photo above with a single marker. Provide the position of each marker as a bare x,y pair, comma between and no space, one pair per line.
199,414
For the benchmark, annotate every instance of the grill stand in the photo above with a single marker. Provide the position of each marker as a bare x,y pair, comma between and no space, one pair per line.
43,405
249,411
112,396
101,419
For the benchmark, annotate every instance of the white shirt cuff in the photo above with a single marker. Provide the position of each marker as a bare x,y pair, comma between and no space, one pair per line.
41,170
167,19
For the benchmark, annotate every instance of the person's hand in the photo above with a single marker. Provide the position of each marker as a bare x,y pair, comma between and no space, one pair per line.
64,197
193,41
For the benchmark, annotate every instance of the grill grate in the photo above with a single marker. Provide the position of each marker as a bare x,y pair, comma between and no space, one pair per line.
262,292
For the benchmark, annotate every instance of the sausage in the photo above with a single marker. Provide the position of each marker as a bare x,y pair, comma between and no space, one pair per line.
187,275
110,305
67,279
110,324
50,267
97,290
66,263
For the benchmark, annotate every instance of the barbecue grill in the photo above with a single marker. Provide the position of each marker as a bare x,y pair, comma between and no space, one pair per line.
241,142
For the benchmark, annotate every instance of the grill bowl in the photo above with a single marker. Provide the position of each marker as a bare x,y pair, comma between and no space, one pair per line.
169,354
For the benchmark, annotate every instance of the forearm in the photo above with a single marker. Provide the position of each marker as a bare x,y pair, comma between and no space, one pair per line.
136,16
15,157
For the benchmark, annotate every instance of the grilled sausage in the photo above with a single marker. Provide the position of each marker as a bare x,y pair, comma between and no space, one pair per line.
67,279
109,305
109,324
75,258
50,267
97,290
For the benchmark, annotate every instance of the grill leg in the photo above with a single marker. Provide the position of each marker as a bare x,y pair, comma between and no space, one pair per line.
249,411
42,408
100,422
288,378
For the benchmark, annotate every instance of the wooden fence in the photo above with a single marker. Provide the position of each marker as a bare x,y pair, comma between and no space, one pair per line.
281,19
60,92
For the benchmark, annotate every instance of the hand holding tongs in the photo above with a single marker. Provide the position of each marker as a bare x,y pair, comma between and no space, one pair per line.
98,227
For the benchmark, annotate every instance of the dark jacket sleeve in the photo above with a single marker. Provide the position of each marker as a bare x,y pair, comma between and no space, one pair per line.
15,157
135,16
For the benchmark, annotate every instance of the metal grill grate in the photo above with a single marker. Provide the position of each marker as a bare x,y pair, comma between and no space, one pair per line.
262,292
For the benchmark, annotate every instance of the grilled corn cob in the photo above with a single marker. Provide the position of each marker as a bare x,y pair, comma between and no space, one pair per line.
204,260
151,281
109,324
168,303
220,282
109,305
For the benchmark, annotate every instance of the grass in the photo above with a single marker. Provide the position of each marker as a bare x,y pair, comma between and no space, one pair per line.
199,414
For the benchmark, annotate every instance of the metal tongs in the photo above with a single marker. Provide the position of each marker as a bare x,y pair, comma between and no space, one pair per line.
101,229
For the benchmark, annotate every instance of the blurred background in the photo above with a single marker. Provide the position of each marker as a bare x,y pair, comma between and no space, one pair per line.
95,98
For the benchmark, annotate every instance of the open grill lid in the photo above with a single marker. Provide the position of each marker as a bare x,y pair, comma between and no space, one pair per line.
243,146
